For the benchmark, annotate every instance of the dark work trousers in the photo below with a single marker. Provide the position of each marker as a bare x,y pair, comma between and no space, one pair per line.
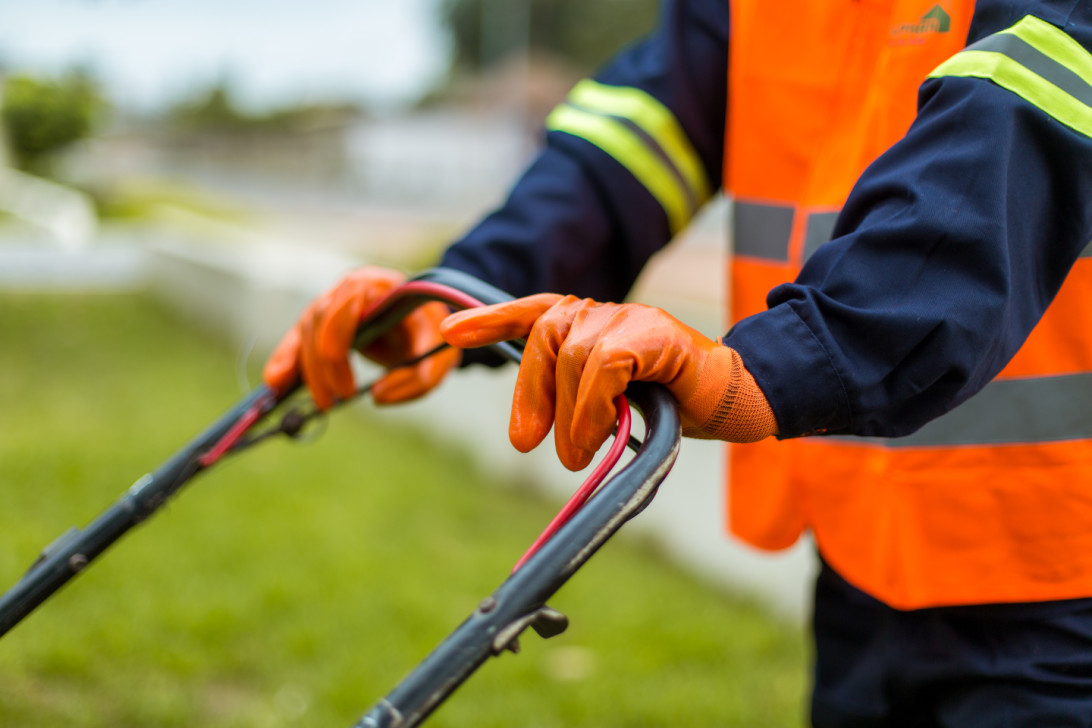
1002,666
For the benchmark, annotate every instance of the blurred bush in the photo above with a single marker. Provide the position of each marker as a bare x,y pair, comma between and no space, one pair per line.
217,111
44,116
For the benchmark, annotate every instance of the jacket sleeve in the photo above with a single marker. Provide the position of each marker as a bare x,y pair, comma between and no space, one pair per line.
629,157
951,245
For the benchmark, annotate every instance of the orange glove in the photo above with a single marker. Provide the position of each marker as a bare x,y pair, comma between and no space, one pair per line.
581,354
317,347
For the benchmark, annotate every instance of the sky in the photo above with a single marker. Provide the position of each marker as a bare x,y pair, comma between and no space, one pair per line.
274,53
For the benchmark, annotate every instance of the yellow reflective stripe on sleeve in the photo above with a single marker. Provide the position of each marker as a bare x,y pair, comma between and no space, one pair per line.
1020,80
629,150
654,119
1055,43
1037,62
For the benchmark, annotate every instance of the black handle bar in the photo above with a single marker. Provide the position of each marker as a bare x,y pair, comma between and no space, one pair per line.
71,553
519,602
76,548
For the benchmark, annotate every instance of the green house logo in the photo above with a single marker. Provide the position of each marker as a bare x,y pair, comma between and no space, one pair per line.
935,20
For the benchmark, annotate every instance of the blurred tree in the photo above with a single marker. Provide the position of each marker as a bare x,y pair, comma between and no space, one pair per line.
216,111
584,33
43,116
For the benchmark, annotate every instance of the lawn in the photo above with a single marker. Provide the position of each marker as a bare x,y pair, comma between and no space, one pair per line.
295,584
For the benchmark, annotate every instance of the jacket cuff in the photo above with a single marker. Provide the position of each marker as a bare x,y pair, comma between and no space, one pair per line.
795,372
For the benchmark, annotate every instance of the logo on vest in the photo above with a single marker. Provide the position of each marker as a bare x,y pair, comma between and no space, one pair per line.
935,21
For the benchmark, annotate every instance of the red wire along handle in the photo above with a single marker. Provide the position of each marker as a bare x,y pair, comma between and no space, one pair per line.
585,491
614,454
459,298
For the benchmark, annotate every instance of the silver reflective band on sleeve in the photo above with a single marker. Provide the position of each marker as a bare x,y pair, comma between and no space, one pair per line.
643,136
762,231
1038,62
1036,409
692,200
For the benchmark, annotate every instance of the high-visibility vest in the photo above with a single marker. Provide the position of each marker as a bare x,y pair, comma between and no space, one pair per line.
992,502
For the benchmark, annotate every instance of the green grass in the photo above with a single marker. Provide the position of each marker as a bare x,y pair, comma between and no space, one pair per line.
295,585
138,198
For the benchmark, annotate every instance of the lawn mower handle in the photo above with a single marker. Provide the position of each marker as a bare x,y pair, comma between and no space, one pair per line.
520,601
69,554
76,548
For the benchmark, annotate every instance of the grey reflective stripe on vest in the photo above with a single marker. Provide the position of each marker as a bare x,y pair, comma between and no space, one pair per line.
1038,409
1034,60
820,229
762,231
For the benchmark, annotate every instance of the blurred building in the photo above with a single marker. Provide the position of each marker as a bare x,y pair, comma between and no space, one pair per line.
459,150
468,143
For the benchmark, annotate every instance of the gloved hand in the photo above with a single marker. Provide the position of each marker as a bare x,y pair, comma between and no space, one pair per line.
581,354
317,347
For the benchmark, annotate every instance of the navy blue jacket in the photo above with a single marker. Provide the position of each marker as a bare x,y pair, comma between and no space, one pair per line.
946,254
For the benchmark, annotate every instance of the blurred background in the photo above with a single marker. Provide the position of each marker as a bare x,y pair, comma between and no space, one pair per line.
417,109
177,179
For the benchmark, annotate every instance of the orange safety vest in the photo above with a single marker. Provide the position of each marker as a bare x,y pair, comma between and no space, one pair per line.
990,503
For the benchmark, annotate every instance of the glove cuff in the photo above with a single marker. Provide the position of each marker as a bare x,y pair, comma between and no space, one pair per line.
739,411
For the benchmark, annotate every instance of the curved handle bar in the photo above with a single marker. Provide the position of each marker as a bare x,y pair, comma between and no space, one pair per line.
520,601
517,603
69,554
409,296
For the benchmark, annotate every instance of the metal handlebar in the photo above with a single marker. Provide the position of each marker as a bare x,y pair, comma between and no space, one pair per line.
70,554
495,626
520,601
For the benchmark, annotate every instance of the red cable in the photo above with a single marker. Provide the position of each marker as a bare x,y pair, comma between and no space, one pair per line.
255,413
458,298
590,485
237,430
448,294
614,454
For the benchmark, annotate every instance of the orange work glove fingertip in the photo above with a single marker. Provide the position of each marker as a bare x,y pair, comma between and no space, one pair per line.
281,371
462,330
